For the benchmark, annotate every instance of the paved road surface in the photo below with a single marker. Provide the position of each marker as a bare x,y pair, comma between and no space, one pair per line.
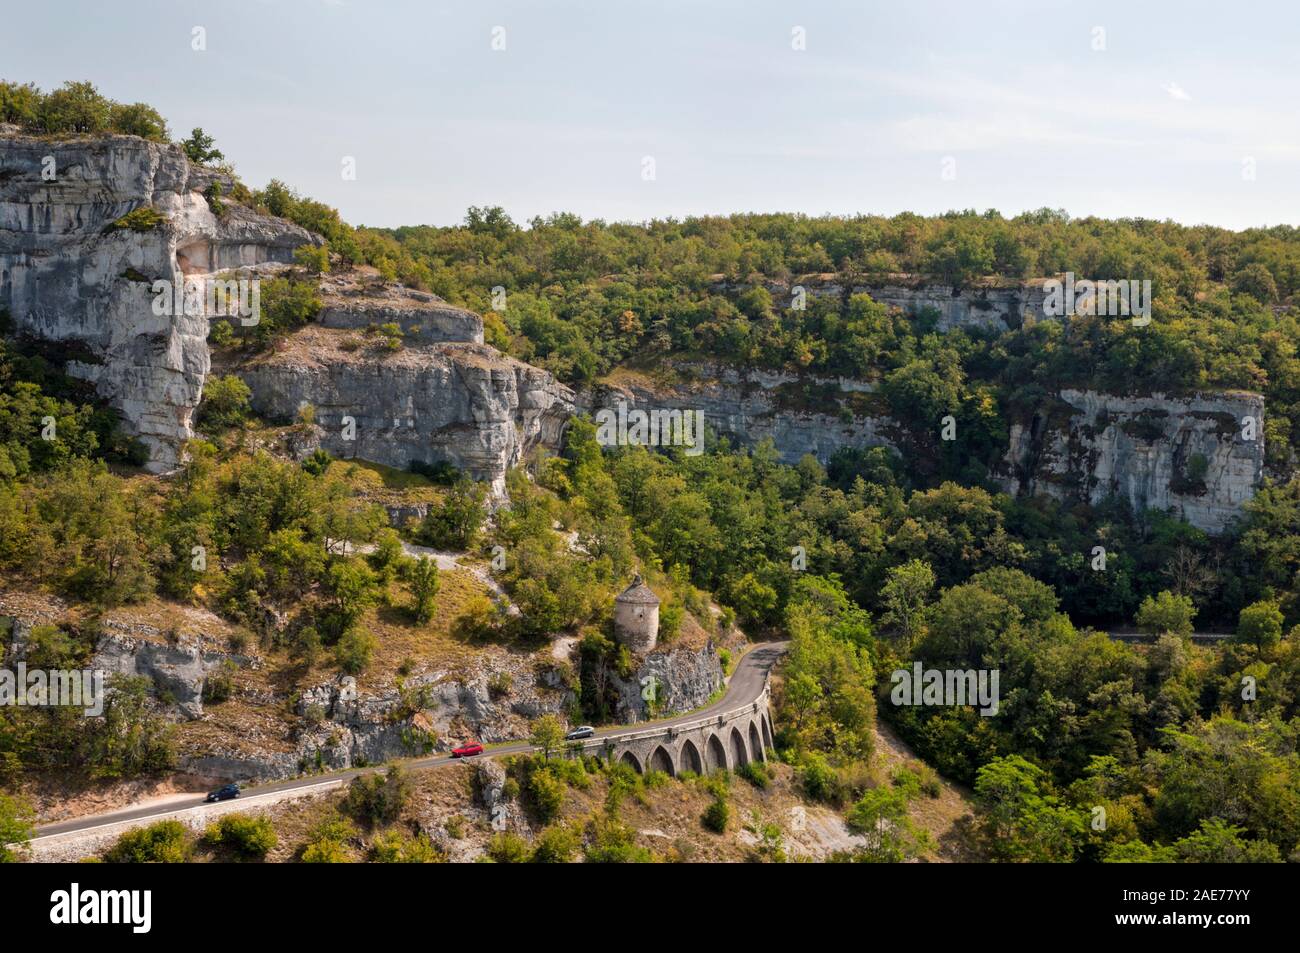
746,684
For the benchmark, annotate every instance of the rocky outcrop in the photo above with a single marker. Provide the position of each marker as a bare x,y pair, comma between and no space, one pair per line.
800,414
987,305
177,661
422,317
668,682
1180,454
1200,456
466,404
341,727
177,667
69,274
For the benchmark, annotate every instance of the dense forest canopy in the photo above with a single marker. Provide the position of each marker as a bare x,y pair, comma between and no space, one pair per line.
585,297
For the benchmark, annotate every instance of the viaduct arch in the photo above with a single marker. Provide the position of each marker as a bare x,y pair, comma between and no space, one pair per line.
725,740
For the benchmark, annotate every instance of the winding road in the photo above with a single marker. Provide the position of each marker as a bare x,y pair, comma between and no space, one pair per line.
744,686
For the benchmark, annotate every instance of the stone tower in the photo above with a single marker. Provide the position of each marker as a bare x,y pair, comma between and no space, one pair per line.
636,616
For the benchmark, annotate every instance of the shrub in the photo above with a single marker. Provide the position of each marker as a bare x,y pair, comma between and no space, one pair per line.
757,774
220,333
556,845
220,685
313,258
930,785
318,462
213,195
245,835
508,848
15,826
818,778
441,472
142,219
327,842
354,650
393,848
610,841
225,402
547,793
908,782
376,798
167,842
655,779
716,815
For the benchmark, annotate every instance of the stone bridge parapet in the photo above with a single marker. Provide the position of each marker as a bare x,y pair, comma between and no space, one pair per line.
725,740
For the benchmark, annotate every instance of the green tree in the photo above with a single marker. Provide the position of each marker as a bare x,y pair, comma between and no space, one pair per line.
75,108
1260,624
880,817
547,735
200,148
378,798
225,402
1218,842
138,119
557,844
905,596
352,589
455,523
424,587
1021,821
1166,612
353,651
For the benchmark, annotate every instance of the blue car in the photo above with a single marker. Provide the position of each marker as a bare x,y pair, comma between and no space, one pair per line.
224,794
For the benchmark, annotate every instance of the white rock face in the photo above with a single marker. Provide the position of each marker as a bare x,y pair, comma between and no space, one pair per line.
1190,455
987,306
65,277
1185,454
466,404
801,414
423,318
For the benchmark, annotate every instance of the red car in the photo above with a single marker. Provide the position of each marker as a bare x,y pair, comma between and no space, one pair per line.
467,751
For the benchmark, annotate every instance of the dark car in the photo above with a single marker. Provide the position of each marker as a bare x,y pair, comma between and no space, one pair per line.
467,750
582,731
224,794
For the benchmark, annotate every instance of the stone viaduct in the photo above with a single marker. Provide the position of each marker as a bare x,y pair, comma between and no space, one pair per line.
727,739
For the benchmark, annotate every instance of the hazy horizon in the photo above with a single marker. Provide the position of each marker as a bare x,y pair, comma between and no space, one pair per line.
1098,109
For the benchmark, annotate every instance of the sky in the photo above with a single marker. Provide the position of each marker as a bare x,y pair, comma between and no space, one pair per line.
627,111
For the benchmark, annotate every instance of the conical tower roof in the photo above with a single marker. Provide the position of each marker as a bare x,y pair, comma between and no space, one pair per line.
638,593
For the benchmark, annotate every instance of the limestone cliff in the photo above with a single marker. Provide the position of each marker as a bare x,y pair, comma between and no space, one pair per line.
1201,456
989,305
1185,454
68,274
463,403
800,414
678,679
